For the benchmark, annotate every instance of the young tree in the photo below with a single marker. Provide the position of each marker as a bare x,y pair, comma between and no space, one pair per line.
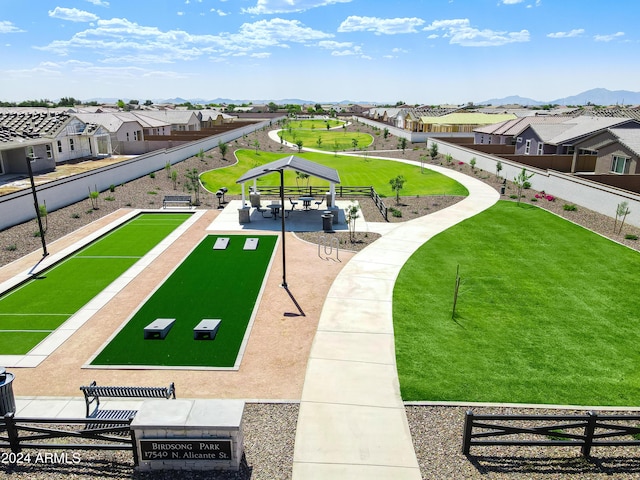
167,169
433,150
336,147
472,162
402,143
385,133
396,185
498,168
256,145
621,212
223,147
43,214
174,179
319,141
520,180
351,214
354,142
193,184
299,143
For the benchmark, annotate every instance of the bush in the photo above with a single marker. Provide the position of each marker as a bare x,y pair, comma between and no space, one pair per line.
75,215
11,248
569,208
526,185
112,188
152,175
395,212
513,196
630,236
534,199
110,198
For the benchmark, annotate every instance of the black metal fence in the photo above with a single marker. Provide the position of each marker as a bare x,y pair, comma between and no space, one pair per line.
584,431
341,191
79,434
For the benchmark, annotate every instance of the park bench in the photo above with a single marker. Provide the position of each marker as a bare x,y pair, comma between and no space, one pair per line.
93,393
176,199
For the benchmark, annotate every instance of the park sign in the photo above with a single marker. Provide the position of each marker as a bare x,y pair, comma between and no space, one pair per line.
185,449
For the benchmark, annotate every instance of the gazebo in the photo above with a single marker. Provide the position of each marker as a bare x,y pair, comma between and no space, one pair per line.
292,163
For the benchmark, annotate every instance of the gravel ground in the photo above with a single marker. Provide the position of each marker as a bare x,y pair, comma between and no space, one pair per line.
270,428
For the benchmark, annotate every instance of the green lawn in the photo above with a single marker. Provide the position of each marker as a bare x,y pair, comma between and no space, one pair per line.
328,140
547,313
314,124
209,283
353,171
33,310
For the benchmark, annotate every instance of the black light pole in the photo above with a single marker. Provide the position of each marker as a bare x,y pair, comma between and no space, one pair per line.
37,207
284,260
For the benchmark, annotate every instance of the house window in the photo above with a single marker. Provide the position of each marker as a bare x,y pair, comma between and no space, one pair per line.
620,164
527,147
30,153
49,151
540,148
127,136
135,136
59,146
519,140
481,139
72,147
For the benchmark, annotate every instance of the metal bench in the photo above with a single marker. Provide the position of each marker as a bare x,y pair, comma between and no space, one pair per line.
93,393
179,199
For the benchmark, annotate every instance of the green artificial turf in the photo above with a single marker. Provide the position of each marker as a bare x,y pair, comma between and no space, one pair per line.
48,300
14,343
353,171
209,283
547,312
330,140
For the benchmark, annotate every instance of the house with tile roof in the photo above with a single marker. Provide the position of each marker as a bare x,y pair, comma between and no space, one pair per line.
460,122
617,149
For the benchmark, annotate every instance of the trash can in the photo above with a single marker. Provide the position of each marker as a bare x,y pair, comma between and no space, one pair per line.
254,198
7,401
327,222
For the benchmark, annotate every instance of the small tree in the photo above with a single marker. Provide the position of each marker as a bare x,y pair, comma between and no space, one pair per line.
472,162
354,143
302,176
402,143
167,169
299,143
174,179
223,147
351,214
422,159
433,150
520,181
396,185
193,184
385,133
43,214
319,141
336,147
256,145
498,168
93,197
621,212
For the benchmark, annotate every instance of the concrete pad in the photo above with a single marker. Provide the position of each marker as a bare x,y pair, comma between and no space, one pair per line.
354,347
46,408
361,288
353,435
352,383
316,471
366,316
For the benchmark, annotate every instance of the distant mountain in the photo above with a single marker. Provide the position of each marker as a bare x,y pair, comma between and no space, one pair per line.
596,96
601,96
512,100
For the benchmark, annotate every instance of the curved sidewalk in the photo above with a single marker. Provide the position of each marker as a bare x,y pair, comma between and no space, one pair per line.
352,422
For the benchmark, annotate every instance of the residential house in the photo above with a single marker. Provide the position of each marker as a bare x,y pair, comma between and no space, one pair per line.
460,122
617,149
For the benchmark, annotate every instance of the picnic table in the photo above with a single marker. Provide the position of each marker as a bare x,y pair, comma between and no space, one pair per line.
306,202
275,209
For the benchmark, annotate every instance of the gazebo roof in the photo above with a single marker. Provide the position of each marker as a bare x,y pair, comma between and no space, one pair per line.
292,163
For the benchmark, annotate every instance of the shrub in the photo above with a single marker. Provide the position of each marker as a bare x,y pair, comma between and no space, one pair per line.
569,207
534,199
152,175
112,188
110,198
11,248
630,236
152,192
75,215
526,185
513,196
395,212
36,234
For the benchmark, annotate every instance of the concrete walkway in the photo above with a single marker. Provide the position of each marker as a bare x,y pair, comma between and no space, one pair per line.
352,422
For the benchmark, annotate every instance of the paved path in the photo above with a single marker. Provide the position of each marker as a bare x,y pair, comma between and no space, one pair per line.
352,422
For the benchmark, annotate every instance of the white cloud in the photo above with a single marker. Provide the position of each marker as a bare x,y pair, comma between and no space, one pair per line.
511,2
573,33
8,27
261,55
332,45
608,38
219,12
388,26
120,40
99,3
73,15
288,6
356,50
460,32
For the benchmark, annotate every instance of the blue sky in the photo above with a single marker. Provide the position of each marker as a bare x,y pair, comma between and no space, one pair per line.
417,51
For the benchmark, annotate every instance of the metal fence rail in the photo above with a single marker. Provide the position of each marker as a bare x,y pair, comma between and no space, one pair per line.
37,433
584,431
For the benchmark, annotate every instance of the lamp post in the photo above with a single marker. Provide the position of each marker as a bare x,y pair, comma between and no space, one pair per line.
37,206
284,261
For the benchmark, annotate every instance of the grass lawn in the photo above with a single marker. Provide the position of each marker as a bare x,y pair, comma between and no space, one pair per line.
33,310
209,283
547,313
314,124
328,140
353,171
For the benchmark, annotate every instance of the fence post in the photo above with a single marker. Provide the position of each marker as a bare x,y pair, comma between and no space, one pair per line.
588,434
466,436
12,432
134,445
